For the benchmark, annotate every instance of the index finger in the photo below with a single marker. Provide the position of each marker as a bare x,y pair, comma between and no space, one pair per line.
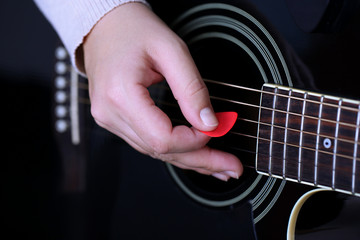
155,128
175,63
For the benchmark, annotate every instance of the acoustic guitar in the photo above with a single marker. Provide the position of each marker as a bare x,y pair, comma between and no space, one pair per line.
299,145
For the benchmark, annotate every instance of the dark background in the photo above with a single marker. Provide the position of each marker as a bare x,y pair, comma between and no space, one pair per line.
30,170
29,162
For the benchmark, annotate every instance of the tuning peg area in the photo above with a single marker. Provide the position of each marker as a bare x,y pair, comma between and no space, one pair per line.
61,94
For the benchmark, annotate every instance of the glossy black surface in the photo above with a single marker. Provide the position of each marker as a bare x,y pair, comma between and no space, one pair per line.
130,196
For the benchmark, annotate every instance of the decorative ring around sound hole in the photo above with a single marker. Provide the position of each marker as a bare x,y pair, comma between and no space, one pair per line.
215,24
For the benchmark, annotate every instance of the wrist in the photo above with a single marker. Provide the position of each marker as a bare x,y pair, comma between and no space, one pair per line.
78,57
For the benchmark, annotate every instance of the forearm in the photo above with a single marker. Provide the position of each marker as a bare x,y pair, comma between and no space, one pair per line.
74,19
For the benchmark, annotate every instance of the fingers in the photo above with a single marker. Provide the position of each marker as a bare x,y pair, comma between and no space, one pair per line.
201,159
120,68
207,161
187,153
177,66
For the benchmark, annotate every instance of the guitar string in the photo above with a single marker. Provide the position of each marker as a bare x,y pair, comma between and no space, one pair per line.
85,86
87,101
355,109
266,92
291,165
291,162
277,110
282,143
268,124
253,137
298,131
283,111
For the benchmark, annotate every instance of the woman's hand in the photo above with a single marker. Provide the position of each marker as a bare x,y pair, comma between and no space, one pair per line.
126,52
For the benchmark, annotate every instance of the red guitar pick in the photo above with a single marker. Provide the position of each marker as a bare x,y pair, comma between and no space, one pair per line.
226,122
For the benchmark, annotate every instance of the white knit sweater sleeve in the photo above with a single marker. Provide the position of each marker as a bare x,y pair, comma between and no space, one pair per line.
74,19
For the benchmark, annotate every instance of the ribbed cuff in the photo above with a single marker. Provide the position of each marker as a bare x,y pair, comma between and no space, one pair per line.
89,13
74,19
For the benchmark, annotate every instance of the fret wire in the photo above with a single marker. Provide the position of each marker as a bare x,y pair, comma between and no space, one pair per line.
335,143
272,129
318,141
286,132
301,136
355,152
87,101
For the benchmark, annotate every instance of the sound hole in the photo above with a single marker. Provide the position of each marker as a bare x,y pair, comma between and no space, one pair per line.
222,61
237,54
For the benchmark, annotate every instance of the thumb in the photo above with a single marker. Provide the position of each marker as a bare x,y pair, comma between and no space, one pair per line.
188,87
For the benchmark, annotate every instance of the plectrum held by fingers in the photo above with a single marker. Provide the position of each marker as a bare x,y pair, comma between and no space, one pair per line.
226,122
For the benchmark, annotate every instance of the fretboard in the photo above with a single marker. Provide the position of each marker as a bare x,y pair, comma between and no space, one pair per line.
309,138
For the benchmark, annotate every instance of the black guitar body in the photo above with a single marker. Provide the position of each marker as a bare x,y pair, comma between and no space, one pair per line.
126,195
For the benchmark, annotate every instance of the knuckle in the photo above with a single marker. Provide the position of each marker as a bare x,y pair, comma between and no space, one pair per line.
159,148
194,88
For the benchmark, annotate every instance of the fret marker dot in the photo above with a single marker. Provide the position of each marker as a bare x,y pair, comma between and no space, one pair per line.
327,143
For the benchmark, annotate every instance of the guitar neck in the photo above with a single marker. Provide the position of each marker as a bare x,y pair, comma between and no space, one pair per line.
309,138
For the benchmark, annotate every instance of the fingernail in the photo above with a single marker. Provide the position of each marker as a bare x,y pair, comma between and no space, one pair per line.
221,176
231,174
208,117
